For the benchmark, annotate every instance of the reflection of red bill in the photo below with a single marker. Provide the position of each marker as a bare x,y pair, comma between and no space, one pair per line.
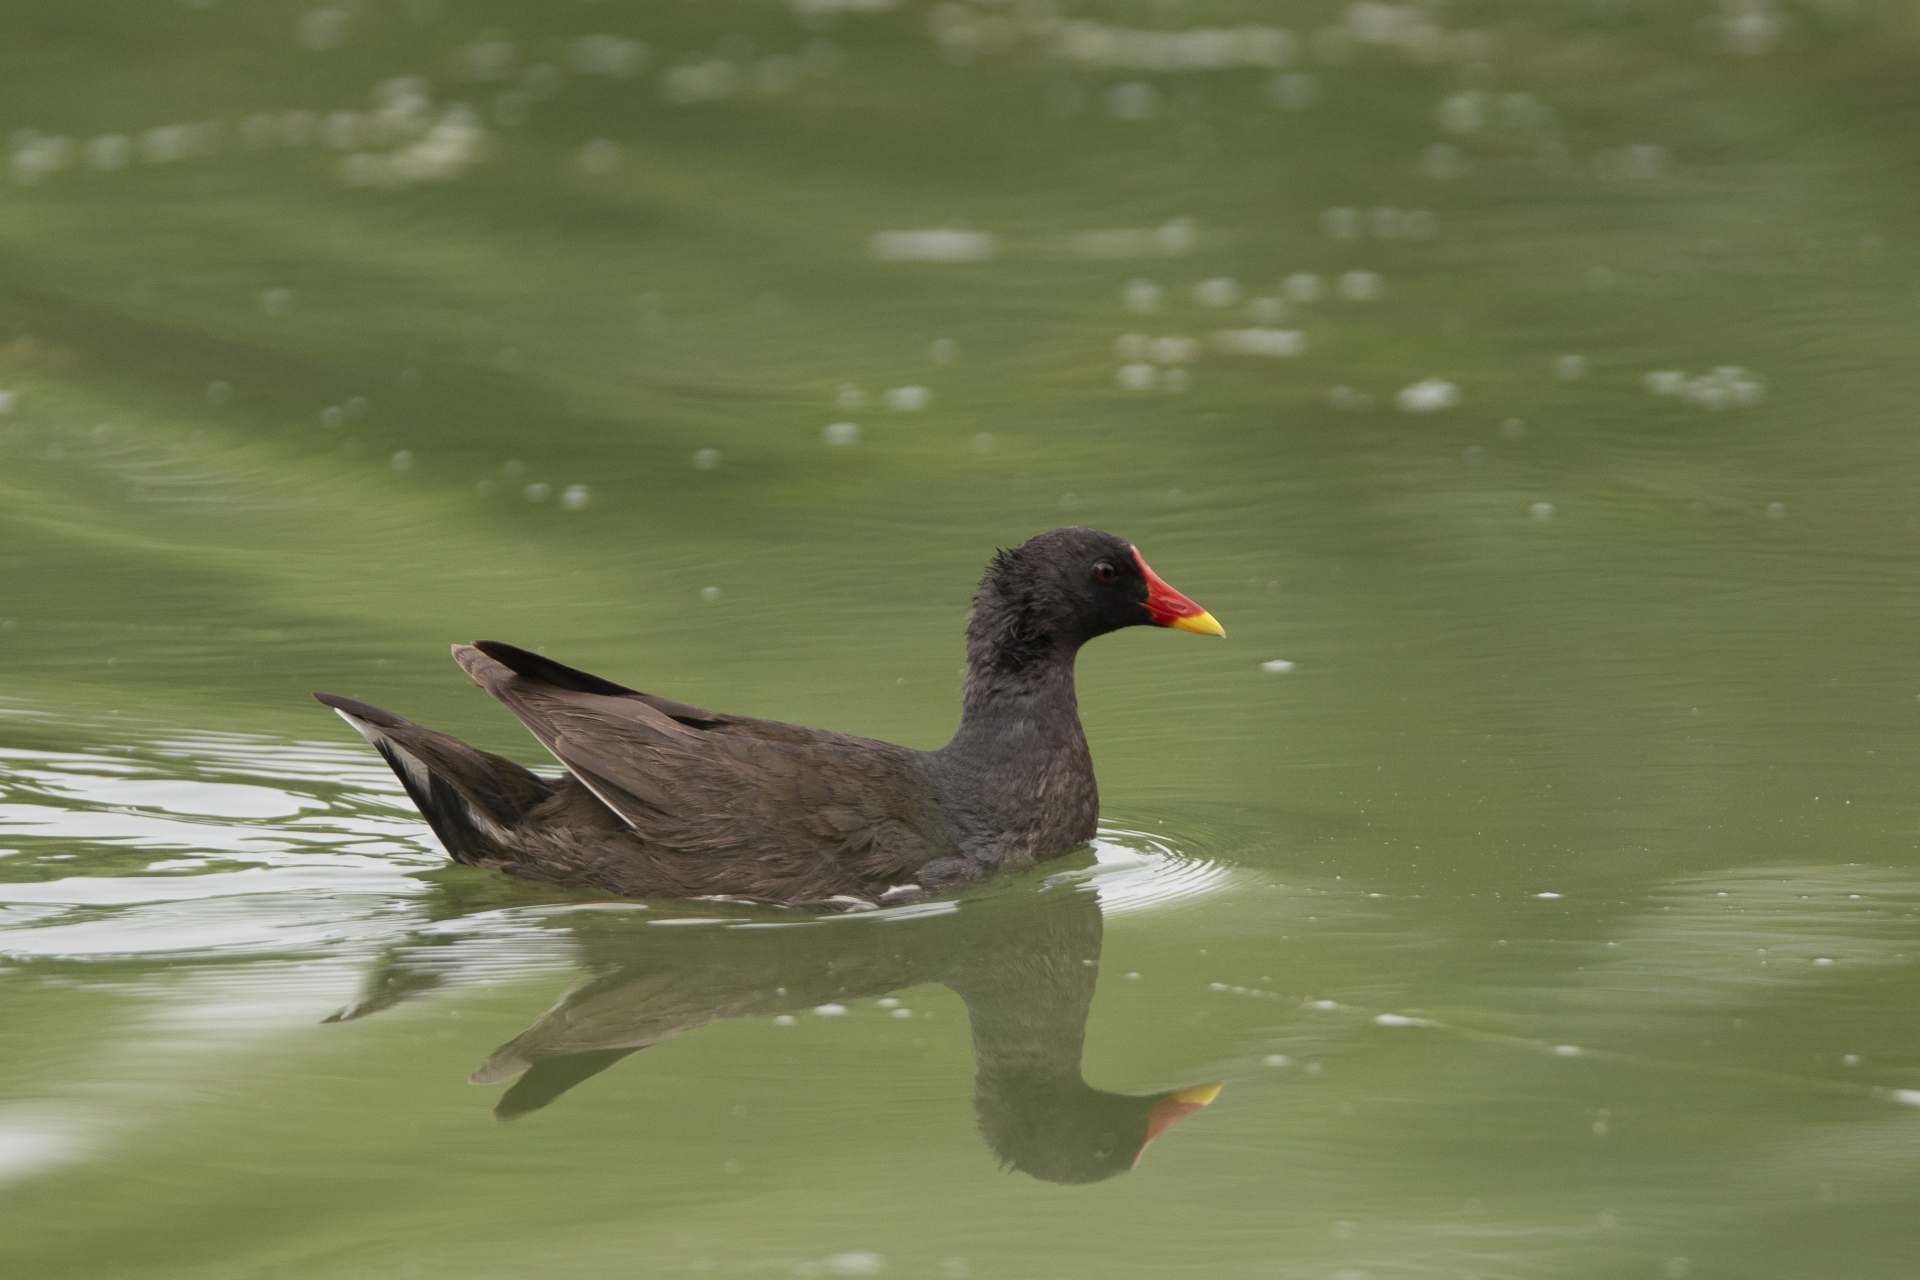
1174,1107
1171,609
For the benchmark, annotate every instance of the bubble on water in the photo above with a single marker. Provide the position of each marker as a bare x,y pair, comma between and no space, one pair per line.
1824,960
1261,342
218,392
887,1002
830,1010
706,459
1222,291
1566,1051
783,1020
1464,112
1132,100
1541,511
492,57
331,416
108,151
322,28
1275,1060
1278,664
903,1013
936,244
706,81
1175,380
908,399
1427,396
402,460
602,155
340,130
1138,376
1665,382
537,492
575,497
943,351
621,57
1341,223
1776,511
1141,295
1348,398
1302,286
1513,429
983,443
840,433
1725,387
1442,160
709,593
1173,348
1361,286
1546,895
1266,311
1850,1059
859,1262
1293,90
1570,368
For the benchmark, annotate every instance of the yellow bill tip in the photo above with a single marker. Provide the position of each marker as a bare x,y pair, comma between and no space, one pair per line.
1201,624
1198,1095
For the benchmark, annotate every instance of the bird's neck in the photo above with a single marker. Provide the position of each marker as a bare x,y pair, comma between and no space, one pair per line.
1012,712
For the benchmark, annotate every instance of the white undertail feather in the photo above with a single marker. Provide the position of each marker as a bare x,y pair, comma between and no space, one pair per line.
417,771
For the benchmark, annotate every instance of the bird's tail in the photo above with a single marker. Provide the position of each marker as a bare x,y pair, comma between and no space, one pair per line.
471,799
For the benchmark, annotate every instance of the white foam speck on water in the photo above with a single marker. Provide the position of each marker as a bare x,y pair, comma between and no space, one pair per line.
830,1010
1402,1020
1571,368
1278,664
1546,895
938,244
1361,286
709,593
1427,396
783,1020
907,399
1261,342
1137,377
1221,291
706,459
1141,295
1566,1051
1276,1060
858,1262
903,1013
1541,511
887,1002
840,433
402,460
537,492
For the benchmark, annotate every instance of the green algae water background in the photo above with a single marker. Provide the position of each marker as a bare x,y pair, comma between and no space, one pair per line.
1527,387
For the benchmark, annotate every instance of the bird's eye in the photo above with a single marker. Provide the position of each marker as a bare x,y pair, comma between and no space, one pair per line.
1103,572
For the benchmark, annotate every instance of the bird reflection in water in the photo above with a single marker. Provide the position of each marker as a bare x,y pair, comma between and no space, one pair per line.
1024,960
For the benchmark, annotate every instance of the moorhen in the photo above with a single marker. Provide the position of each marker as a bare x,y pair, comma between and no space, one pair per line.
1024,961
664,800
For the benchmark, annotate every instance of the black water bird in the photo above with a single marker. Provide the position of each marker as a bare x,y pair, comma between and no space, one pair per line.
660,799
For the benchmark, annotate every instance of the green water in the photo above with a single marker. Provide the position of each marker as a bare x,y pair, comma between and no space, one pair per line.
1593,771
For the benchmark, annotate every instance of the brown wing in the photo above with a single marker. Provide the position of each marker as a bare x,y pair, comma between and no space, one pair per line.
771,807
539,667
